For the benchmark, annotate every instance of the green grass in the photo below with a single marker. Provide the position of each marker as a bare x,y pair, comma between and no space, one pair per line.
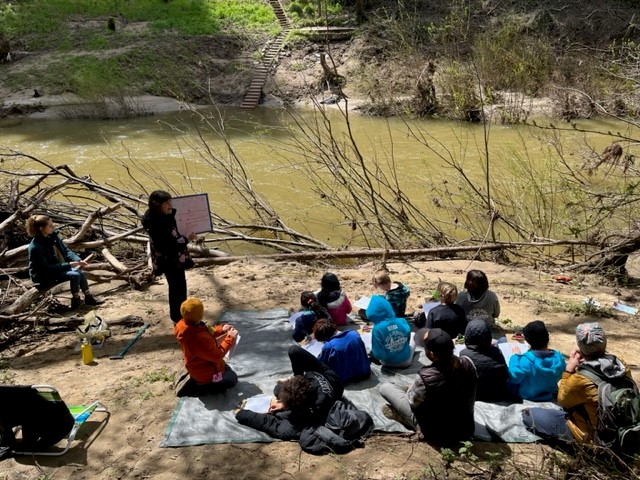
139,69
33,21
161,375
155,48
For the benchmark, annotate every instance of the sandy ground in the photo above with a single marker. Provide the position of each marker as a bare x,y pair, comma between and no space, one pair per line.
137,389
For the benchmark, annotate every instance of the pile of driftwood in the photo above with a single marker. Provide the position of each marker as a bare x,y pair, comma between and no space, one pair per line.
105,220
99,219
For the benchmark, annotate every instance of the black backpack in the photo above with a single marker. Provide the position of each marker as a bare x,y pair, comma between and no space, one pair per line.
345,429
618,414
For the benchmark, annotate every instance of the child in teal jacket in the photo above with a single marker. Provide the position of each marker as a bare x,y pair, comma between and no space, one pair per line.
391,341
534,375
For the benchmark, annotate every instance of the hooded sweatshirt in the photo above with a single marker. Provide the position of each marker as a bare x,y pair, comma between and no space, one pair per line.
203,356
45,267
579,395
337,304
397,297
390,335
450,318
534,375
489,362
486,307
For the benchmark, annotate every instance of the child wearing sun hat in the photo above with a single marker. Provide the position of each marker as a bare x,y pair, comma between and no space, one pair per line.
204,349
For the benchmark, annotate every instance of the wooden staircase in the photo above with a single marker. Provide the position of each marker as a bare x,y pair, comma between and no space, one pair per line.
270,57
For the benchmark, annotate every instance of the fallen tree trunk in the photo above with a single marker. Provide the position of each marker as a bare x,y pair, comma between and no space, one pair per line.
380,252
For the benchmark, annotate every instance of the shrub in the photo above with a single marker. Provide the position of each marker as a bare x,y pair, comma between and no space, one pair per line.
459,98
509,59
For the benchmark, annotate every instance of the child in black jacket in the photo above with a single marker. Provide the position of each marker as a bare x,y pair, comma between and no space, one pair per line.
303,400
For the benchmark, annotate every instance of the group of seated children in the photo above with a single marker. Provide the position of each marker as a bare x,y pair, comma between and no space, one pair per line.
440,402
392,342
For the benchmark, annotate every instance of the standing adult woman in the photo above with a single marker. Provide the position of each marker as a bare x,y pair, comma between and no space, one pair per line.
169,252
52,262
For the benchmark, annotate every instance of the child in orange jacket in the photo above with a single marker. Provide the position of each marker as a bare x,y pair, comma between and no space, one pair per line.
204,349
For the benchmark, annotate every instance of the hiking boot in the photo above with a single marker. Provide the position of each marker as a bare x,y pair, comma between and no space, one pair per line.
75,302
91,300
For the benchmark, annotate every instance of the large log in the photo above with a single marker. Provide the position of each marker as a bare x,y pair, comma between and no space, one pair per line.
380,252
25,300
113,261
21,303
341,254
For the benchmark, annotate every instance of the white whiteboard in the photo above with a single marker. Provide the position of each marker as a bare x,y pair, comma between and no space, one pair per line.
192,214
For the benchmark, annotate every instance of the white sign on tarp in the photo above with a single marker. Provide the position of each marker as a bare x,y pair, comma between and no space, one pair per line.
192,214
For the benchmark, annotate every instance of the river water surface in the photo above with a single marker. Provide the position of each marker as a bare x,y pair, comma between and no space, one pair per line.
164,148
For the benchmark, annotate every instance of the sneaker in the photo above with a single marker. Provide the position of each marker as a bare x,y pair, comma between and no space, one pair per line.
75,302
91,300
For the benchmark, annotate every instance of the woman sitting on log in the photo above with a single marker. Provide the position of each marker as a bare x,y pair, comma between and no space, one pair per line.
52,262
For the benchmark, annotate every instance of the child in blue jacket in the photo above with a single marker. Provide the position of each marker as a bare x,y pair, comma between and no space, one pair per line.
534,375
343,352
391,342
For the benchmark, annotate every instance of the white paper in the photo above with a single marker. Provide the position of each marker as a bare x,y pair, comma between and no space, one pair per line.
428,306
625,308
366,339
192,214
363,302
314,347
507,349
512,348
258,403
294,317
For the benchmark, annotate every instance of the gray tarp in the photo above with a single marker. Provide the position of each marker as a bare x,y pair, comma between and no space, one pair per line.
260,359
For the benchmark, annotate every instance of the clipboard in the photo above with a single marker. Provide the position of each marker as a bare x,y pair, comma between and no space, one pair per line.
363,302
219,338
193,214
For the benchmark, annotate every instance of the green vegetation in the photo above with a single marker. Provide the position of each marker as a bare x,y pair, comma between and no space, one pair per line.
37,18
160,375
511,59
6,377
480,51
311,13
118,48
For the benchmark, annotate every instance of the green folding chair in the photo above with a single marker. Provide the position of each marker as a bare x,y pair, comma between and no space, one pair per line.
44,419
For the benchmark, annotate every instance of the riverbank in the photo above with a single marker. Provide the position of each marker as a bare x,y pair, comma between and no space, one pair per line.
24,104
138,392
389,65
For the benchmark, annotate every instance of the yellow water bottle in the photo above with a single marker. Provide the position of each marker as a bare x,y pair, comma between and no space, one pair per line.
87,352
